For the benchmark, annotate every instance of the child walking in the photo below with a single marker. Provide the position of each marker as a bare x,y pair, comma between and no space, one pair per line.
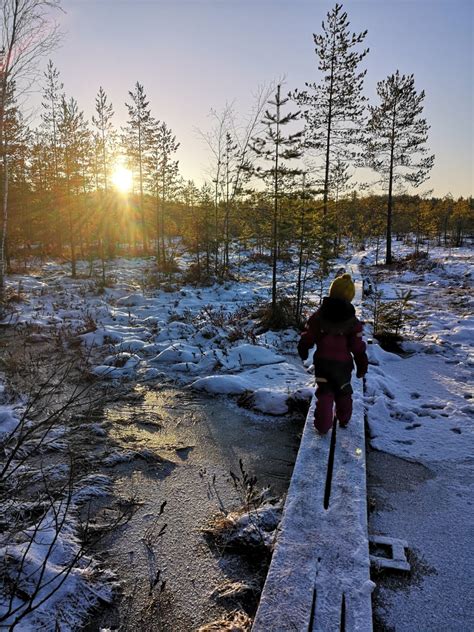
337,334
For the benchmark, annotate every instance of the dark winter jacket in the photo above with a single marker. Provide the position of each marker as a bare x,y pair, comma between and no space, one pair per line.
337,334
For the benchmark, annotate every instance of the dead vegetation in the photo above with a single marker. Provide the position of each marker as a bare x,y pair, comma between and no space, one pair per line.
48,483
236,621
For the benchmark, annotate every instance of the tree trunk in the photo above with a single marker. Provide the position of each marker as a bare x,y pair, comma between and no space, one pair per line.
3,236
157,209
328,137
162,222
388,254
275,207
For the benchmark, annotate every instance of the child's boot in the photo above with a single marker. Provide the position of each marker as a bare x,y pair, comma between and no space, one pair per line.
323,414
344,409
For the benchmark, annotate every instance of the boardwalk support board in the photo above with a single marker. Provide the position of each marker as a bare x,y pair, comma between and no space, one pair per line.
397,561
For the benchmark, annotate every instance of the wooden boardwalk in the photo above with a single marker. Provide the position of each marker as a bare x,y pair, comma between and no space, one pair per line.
319,578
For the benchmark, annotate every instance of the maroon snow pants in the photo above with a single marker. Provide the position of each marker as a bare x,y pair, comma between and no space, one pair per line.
324,413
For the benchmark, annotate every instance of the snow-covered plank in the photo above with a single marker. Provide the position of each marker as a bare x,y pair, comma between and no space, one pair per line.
320,571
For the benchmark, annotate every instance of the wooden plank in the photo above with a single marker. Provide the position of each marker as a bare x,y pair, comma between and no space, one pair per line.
322,552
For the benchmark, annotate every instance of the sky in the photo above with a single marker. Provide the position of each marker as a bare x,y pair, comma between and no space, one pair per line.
194,55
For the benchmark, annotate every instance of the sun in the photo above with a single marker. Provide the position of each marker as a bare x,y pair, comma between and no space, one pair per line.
122,179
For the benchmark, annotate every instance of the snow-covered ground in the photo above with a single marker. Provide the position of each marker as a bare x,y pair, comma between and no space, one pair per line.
421,409
202,337
199,338
48,579
421,406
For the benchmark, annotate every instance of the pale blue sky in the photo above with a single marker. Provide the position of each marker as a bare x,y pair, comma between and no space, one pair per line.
199,54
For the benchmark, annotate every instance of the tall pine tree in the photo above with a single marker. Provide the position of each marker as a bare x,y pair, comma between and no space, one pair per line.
103,148
163,173
51,104
275,150
73,139
333,108
397,135
103,124
137,140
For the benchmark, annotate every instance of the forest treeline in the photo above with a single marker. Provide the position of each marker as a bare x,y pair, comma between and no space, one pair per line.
283,180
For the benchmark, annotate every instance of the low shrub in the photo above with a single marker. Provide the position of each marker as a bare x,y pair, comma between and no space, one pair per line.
282,315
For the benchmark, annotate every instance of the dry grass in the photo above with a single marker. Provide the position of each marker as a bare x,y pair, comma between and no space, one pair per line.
236,621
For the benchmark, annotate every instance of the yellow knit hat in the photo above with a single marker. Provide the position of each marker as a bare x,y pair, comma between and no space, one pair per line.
342,287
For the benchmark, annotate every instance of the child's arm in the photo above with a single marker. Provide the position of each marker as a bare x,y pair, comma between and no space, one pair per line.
307,339
357,347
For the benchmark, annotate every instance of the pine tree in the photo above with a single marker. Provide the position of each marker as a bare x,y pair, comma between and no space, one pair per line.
206,205
17,139
102,123
333,108
192,230
397,135
275,149
137,139
73,137
163,173
339,186
103,147
51,104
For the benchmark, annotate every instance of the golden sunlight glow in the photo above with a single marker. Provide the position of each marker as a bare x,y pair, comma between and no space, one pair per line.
122,179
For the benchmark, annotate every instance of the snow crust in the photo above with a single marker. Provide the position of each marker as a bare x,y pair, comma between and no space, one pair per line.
202,337
48,565
421,406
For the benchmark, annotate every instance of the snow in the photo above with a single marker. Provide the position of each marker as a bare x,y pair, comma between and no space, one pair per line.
48,550
8,421
45,560
199,336
420,408
179,352
251,355
272,385
43,556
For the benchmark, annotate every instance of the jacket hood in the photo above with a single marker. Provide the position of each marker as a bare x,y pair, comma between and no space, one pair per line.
337,315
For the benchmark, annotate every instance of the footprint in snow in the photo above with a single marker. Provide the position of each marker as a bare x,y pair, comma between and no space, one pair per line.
456,430
415,395
404,441
424,413
412,426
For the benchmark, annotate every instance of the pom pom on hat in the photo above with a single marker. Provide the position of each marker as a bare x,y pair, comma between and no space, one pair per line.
342,287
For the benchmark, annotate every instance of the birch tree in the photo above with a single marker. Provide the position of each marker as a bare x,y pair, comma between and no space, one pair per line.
28,33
